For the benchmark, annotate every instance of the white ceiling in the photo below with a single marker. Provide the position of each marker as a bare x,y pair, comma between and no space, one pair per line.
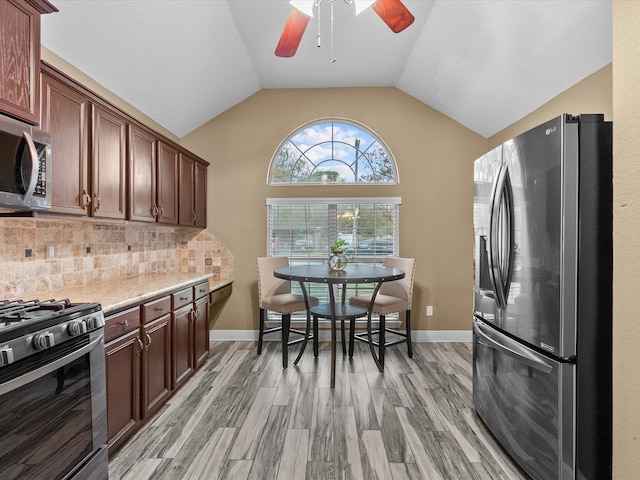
485,64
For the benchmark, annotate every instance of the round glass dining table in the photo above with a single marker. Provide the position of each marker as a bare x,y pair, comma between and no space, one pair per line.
353,273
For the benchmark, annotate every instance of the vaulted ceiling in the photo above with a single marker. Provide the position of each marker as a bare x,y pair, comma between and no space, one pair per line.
483,63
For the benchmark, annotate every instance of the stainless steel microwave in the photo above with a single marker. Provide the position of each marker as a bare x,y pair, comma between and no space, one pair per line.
25,166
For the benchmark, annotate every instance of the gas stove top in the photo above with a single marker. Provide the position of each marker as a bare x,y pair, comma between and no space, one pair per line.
27,327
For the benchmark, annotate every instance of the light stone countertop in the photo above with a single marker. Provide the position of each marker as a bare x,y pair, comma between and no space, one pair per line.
120,293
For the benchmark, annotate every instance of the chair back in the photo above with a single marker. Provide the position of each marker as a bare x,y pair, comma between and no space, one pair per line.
268,285
402,288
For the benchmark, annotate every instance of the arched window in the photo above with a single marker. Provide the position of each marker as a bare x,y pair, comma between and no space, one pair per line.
333,152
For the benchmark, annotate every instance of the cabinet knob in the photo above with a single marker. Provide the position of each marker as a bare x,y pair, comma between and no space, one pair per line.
148,341
154,211
141,345
97,202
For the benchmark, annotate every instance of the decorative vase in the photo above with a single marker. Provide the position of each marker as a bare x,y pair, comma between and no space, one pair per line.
337,261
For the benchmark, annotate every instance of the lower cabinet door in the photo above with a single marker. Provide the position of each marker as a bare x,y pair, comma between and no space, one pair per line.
156,365
201,332
123,360
182,345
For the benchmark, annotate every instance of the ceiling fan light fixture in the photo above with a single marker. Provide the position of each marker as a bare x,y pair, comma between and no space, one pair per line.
305,6
362,5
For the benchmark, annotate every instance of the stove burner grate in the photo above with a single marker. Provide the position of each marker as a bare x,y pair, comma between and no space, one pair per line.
20,310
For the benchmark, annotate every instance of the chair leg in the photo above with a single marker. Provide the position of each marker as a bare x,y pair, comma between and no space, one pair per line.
261,330
286,323
407,323
344,341
352,332
315,336
381,341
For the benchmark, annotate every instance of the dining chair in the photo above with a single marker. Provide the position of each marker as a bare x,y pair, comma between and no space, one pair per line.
275,295
392,297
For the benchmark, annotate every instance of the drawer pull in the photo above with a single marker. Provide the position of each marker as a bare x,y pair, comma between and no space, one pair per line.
184,298
158,309
140,345
125,323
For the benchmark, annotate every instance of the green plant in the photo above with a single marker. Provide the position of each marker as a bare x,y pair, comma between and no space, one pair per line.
337,246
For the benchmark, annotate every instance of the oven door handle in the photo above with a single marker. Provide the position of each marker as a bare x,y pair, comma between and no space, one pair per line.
48,368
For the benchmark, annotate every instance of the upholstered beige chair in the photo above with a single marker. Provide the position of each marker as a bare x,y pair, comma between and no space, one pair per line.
275,294
392,297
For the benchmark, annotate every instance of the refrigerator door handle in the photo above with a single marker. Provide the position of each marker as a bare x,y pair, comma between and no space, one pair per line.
511,348
501,237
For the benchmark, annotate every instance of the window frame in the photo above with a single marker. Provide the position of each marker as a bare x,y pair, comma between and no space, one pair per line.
337,143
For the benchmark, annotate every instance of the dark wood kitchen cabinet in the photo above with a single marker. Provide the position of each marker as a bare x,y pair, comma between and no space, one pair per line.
181,324
123,358
156,358
20,57
192,192
108,164
153,178
167,184
151,350
88,148
66,116
201,342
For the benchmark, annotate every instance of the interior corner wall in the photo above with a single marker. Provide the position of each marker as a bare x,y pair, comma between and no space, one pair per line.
591,95
626,240
434,156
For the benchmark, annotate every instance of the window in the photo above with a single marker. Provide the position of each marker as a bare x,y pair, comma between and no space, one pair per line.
333,152
303,229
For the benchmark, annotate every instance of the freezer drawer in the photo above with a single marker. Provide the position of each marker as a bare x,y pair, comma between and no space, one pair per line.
527,401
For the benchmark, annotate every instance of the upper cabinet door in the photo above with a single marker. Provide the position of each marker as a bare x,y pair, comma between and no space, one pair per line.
20,59
142,175
65,115
187,211
168,161
109,164
200,195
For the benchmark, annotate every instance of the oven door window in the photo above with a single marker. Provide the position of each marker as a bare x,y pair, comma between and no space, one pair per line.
46,424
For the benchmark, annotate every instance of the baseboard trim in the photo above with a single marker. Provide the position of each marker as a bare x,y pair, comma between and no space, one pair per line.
418,336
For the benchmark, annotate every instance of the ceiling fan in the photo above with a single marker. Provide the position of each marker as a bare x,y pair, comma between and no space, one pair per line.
392,12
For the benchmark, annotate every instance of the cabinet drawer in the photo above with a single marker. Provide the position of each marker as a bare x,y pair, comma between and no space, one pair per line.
121,323
156,309
220,294
201,290
182,298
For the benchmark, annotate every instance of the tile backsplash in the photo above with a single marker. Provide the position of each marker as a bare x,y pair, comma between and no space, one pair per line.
85,252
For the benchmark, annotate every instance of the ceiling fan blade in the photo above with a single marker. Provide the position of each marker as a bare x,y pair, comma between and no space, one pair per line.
292,33
394,14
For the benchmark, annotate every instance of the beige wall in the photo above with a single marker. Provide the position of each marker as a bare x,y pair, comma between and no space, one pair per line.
434,156
626,238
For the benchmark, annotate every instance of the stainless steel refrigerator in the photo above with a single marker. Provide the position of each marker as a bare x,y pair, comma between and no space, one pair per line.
542,336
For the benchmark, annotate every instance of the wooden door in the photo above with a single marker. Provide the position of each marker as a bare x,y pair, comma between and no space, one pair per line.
182,345
200,194
20,60
65,115
123,361
142,175
168,174
186,190
201,332
108,162
156,364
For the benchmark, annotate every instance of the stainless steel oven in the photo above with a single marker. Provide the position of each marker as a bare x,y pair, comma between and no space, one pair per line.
52,391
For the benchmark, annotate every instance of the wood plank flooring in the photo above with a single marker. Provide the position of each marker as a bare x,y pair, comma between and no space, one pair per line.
242,416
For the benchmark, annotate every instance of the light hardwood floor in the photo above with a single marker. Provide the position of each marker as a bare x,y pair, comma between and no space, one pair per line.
242,416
